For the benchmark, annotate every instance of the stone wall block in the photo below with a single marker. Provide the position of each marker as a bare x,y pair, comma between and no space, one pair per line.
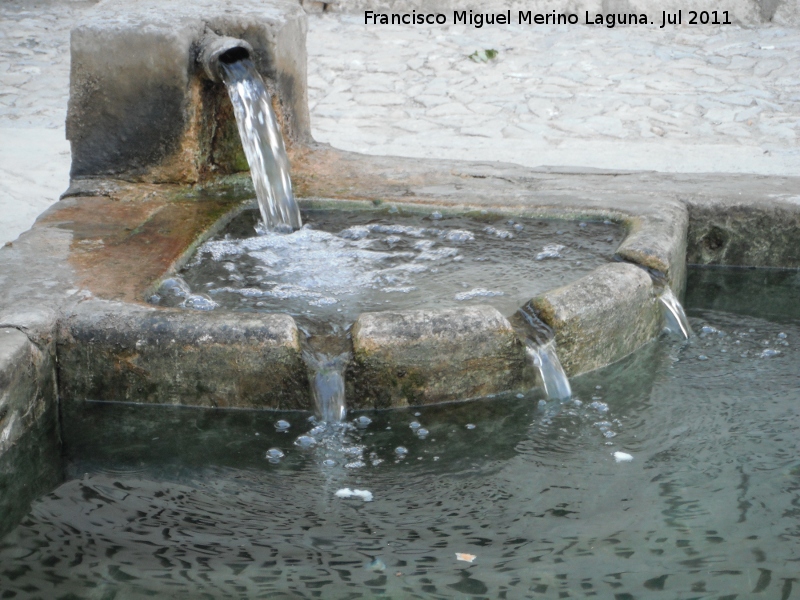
29,436
602,317
140,107
124,353
744,234
658,241
425,356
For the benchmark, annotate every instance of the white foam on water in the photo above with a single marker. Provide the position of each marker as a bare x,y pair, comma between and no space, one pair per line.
622,457
364,495
550,251
477,293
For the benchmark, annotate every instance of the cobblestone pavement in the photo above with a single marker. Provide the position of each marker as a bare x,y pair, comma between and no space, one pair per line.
682,99
34,87
721,99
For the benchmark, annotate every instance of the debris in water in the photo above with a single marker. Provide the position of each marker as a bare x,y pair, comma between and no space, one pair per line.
622,457
465,557
365,495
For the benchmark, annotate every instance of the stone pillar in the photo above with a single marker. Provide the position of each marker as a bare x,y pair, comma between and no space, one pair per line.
141,108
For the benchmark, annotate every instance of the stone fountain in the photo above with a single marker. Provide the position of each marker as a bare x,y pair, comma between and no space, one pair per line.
158,168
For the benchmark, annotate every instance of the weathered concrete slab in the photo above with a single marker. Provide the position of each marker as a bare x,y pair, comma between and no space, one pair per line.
602,317
420,357
29,438
139,107
125,353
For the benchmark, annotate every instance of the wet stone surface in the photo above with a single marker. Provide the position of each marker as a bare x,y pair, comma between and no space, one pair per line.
675,471
343,263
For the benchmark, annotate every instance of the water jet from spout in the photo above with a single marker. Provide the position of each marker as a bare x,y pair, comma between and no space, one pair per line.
261,139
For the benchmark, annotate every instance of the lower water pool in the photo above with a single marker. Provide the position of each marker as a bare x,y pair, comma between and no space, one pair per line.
674,473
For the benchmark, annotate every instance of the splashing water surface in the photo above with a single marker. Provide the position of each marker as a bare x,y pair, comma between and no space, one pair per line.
263,145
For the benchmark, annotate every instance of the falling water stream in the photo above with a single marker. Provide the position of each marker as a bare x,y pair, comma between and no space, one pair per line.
674,315
263,145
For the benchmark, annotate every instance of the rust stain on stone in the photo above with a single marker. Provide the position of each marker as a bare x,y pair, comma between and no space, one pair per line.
122,245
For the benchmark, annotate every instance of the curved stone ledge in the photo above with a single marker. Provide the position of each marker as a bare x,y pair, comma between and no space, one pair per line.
426,356
602,317
125,353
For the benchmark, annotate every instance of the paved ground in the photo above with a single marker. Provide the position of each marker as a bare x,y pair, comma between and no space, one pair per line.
684,99
705,99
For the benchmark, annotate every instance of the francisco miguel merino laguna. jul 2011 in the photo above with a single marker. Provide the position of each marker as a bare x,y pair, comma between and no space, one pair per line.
609,20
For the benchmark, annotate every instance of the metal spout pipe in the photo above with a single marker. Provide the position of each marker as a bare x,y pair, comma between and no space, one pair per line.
216,49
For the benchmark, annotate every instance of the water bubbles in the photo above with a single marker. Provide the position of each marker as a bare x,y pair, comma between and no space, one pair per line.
199,302
363,422
358,232
622,457
542,404
470,426
582,224
518,227
282,425
708,329
274,455
317,431
500,233
393,210
401,451
600,407
328,462
436,215
520,395
422,433
702,357
769,353
305,441
414,425
781,336
459,235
